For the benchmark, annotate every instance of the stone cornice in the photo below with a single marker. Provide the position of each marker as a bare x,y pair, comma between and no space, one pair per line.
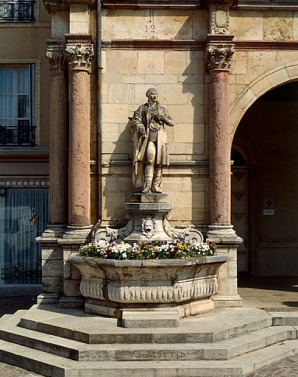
153,4
267,4
152,44
57,56
158,44
79,50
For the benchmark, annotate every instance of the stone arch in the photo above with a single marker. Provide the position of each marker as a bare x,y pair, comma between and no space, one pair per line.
278,76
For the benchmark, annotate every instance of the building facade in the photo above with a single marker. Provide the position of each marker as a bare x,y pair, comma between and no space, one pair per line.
226,71
24,114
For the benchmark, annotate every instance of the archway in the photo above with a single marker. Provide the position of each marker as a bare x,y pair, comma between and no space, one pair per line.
269,130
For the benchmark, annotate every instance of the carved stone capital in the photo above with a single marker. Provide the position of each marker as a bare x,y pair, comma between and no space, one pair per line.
79,55
219,55
219,18
57,57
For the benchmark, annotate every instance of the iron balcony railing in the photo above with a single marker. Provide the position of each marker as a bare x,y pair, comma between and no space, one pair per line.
17,11
14,136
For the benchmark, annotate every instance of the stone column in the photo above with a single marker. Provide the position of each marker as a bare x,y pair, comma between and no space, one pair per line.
219,53
52,253
80,53
58,134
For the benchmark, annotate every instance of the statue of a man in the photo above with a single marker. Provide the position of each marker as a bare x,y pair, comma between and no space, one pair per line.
151,148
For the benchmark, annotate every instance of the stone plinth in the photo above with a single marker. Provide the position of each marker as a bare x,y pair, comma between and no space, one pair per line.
183,285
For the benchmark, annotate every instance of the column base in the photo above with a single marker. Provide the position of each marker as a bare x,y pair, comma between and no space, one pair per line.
227,301
223,234
79,234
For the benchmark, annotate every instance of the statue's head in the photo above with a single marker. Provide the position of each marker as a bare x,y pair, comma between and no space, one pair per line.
151,91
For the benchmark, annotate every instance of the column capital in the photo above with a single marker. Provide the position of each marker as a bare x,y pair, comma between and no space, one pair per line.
80,52
219,55
56,55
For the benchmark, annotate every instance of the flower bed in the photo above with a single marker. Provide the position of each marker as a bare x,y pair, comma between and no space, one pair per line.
151,250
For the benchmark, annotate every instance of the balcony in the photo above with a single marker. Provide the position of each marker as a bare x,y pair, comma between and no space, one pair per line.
16,136
17,11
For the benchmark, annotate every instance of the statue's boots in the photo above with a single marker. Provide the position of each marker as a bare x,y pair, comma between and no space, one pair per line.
157,180
148,179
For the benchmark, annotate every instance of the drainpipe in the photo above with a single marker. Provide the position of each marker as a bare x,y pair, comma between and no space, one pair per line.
99,131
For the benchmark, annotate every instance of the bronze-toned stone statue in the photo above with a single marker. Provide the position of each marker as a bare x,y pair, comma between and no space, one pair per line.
150,145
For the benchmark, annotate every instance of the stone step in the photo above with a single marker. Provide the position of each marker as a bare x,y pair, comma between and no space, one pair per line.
76,325
221,350
56,366
284,318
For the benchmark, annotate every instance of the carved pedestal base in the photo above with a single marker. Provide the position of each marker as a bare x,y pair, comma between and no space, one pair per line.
148,221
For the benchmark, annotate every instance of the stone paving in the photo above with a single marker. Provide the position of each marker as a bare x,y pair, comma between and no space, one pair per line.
271,294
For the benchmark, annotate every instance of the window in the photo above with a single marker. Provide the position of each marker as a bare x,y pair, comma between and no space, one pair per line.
23,217
16,106
17,11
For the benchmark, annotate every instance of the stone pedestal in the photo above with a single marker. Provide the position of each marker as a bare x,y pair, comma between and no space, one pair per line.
148,221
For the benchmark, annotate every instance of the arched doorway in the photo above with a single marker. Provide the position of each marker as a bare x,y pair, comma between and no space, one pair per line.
269,129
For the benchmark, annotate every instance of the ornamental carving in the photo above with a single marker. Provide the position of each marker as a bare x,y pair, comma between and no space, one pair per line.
219,56
57,58
220,18
80,55
182,291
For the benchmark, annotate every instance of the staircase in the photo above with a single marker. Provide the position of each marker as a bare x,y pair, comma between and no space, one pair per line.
70,343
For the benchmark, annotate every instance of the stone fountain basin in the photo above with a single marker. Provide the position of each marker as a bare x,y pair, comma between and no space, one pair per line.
113,285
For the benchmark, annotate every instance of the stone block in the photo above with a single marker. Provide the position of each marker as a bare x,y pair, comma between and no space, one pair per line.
169,24
54,252
260,62
114,113
262,86
201,24
246,99
175,62
109,132
120,93
278,77
295,26
149,319
195,93
135,79
278,26
163,79
71,288
124,24
112,78
292,71
238,67
247,25
151,63
128,62
186,113
79,13
195,148
52,284
172,94
52,268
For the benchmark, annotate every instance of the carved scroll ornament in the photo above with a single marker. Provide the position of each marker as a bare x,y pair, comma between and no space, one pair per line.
220,20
